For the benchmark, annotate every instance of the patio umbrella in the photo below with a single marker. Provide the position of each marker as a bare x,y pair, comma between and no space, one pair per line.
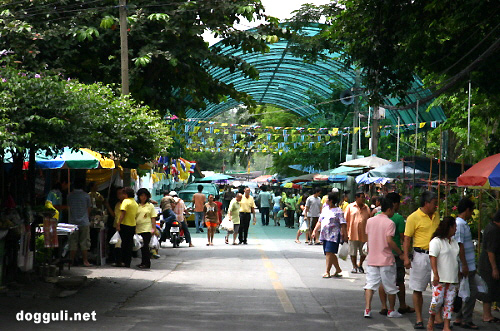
262,179
215,177
320,178
366,162
483,175
337,178
395,170
290,185
342,170
366,178
303,178
82,158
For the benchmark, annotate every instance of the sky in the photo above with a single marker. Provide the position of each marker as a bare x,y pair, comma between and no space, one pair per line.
281,9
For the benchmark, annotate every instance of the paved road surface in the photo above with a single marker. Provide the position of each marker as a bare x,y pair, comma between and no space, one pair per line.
270,284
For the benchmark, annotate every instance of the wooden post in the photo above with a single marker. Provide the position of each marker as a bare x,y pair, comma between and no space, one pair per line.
480,207
429,186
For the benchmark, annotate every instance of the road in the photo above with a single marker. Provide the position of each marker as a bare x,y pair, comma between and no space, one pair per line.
270,284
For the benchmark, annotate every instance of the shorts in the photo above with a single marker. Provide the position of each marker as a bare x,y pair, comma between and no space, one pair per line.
330,247
313,221
276,209
420,272
355,246
211,224
400,271
385,274
80,238
236,228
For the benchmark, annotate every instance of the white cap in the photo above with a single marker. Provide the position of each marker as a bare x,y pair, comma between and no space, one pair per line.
335,190
173,194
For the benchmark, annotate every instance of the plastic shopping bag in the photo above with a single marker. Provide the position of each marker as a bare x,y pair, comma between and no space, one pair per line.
464,290
364,250
303,225
227,224
154,243
137,242
481,284
115,239
344,251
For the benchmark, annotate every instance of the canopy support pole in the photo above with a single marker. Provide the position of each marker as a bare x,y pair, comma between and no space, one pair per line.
468,116
397,142
416,128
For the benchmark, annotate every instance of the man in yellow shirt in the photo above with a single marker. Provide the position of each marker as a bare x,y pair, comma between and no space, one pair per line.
420,226
126,225
247,206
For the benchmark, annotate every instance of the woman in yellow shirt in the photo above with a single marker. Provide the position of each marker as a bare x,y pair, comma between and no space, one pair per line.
145,225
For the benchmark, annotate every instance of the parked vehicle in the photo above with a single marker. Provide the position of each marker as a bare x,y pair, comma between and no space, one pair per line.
187,193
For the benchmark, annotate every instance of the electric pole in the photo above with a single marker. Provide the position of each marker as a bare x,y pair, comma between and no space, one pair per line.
374,130
124,46
355,118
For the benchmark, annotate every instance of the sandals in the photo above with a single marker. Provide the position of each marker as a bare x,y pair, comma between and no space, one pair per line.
408,309
493,320
337,275
470,326
419,326
297,241
327,276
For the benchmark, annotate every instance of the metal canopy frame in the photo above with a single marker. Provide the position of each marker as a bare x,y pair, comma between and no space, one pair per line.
285,80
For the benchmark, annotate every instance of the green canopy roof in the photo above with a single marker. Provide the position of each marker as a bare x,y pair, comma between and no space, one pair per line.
286,81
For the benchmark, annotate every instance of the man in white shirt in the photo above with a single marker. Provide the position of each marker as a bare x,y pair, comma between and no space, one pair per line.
312,212
467,262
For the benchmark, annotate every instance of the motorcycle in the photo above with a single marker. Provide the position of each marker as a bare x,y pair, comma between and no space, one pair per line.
176,234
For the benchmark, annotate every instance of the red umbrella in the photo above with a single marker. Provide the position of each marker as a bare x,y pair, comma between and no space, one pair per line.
484,174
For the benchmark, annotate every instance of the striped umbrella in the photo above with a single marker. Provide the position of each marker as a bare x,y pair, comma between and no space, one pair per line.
483,175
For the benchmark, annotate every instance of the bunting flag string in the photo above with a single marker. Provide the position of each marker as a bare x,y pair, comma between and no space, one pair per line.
211,127
217,137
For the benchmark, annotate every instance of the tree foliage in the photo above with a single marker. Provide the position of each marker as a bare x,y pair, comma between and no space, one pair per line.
392,41
171,61
45,112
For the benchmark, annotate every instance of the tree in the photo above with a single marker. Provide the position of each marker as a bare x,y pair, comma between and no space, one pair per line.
446,43
172,62
40,112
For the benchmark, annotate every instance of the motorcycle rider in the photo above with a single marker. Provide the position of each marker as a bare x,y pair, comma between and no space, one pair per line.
179,208
168,217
